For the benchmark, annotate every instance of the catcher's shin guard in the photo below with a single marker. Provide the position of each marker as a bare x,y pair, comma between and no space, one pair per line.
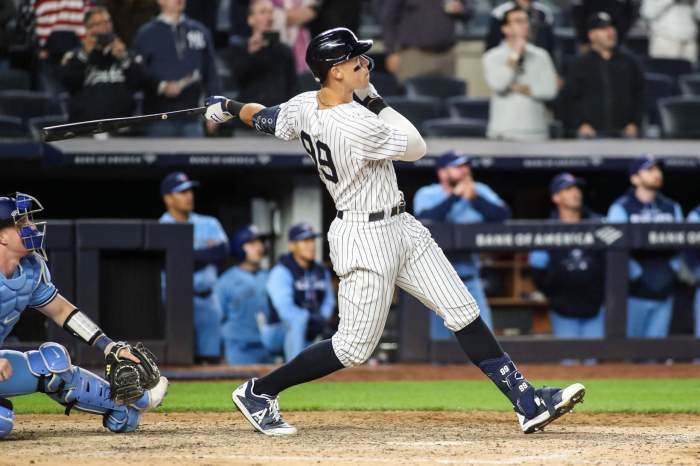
75,387
7,417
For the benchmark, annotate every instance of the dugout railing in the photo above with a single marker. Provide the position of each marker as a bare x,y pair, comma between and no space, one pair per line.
132,277
617,241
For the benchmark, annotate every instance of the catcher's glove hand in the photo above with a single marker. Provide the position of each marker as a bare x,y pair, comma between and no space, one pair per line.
128,380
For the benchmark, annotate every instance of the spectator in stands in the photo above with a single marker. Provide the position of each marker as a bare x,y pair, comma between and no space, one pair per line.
178,56
262,66
210,249
541,19
674,28
243,299
457,198
129,15
333,14
101,75
291,18
652,274
572,279
606,86
301,295
419,39
7,14
692,260
521,77
623,14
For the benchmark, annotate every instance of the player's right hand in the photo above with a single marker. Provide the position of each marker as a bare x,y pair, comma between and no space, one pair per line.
216,109
5,370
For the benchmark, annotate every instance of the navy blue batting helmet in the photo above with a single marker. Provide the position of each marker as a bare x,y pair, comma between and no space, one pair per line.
332,47
242,236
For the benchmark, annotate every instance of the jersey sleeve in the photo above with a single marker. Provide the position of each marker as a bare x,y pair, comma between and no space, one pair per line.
44,291
371,138
286,127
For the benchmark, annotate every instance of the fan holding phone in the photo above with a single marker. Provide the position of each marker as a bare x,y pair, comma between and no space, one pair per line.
263,67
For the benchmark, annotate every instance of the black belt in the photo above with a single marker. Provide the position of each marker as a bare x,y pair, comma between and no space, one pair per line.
202,294
380,214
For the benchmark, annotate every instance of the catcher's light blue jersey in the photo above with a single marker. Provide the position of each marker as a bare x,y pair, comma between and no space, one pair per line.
29,286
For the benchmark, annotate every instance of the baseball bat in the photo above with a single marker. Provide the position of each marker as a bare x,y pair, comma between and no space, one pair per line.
71,130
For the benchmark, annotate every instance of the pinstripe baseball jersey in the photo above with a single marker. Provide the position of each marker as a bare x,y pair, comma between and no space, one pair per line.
353,151
351,147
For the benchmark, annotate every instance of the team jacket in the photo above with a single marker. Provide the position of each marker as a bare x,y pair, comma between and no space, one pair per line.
573,279
293,289
652,273
100,85
177,52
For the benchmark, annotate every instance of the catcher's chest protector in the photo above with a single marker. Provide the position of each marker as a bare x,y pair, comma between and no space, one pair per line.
15,294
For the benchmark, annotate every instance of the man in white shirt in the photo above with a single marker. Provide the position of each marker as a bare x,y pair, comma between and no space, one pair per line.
674,28
522,78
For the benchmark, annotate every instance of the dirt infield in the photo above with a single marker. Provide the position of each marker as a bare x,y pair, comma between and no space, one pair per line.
359,438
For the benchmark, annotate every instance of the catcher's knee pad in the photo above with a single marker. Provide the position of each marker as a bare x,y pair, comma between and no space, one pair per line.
7,417
50,358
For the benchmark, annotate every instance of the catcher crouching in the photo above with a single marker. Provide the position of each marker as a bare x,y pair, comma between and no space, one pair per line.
133,382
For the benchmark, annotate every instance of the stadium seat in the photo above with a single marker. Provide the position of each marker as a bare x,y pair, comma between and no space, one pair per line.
658,86
435,86
307,82
26,104
386,84
12,127
469,107
37,123
455,128
690,84
671,67
416,109
11,79
680,117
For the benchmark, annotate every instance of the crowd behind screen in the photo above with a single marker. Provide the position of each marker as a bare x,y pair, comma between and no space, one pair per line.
579,68
618,72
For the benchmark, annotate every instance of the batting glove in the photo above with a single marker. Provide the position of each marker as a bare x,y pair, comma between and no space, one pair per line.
364,93
216,109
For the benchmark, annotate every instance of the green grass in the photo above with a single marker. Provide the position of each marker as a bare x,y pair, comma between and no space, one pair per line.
626,395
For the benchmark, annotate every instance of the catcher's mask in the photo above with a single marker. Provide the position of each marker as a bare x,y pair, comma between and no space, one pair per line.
18,210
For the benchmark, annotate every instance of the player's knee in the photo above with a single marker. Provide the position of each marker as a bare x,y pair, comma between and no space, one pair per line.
352,354
7,417
50,358
458,318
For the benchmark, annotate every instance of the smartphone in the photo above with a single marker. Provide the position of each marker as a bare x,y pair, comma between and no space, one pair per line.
271,37
103,40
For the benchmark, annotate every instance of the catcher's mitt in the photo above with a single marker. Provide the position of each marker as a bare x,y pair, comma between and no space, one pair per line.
128,380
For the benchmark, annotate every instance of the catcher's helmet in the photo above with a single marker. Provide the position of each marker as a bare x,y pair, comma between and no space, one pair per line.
332,47
18,210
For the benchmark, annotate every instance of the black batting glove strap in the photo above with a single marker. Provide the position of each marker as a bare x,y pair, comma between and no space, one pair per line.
373,104
234,107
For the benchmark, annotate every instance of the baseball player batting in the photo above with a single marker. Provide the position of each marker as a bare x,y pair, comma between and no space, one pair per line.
353,137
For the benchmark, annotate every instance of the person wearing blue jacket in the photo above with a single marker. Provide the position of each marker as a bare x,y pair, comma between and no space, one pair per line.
177,54
692,259
572,279
210,249
301,294
457,198
242,295
652,273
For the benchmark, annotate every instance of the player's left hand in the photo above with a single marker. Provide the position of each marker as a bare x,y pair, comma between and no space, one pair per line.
365,94
130,371
216,109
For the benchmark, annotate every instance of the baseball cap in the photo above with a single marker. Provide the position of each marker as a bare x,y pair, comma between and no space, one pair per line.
302,231
644,162
176,182
452,159
598,20
247,234
563,181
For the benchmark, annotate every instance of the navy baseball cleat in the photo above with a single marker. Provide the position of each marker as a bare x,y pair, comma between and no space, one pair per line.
261,411
552,403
